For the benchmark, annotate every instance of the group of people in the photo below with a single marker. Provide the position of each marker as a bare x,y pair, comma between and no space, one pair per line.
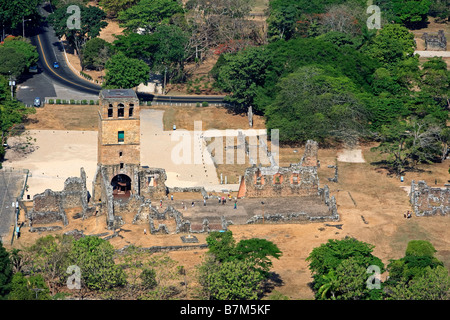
407,215
222,200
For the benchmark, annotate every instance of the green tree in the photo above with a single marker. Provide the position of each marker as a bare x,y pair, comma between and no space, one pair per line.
242,74
12,62
23,47
6,272
221,245
148,14
314,103
95,258
420,248
259,251
418,275
339,269
114,7
411,13
408,143
12,12
28,288
91,23
96,52
235,271
393,43
435,80
282,21
50,258
137,46
434,284
12,113
123,72
235,280
351,279
171,52
440,9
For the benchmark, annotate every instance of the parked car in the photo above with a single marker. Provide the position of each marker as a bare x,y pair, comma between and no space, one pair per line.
33,69
56,64
37,102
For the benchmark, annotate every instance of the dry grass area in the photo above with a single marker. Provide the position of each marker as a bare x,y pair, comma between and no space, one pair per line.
212,117
370,203
64,117
432,28
362,191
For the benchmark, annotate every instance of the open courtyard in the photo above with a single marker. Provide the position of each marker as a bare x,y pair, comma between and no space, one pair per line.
370,203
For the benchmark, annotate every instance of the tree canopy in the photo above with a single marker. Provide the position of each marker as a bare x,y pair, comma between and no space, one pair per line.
91,22
123,72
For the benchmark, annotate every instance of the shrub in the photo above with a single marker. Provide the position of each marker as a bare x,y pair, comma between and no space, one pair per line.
205,103
51,101
58,101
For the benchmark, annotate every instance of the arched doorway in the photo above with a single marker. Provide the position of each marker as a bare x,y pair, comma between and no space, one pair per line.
121,184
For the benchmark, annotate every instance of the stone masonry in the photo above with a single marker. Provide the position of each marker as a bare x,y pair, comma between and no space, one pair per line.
435,42
299,179
428,201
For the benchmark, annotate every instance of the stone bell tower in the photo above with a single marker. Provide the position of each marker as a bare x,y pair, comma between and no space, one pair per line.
118,127
120,184
118,154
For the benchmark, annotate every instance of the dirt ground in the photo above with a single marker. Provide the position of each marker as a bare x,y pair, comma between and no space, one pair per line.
371,206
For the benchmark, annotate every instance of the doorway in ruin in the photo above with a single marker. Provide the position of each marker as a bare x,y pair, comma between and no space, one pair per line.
121,184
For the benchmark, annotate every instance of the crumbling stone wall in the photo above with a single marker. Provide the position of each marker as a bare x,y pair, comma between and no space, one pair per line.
435,42
302,216
299,179
428,201
152,183
50,206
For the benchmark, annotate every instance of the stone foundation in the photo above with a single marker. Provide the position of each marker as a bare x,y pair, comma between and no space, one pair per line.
428,201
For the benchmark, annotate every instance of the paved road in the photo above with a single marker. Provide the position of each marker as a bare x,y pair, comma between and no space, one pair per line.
50,82
64,83
10,187
430,54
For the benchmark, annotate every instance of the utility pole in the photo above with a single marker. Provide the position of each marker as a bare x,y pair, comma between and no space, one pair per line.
12,83
23,25
165,71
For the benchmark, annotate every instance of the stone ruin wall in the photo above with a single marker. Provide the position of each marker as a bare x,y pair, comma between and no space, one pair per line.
299,179
50,206
172,221
428,201
435,42
279,183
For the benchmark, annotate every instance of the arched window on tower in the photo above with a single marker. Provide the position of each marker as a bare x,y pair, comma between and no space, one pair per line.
110,111
130,110
121,110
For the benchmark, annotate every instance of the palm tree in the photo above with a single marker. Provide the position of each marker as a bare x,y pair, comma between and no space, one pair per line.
329,285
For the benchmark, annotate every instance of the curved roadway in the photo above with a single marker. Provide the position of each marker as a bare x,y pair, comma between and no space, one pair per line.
50,49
